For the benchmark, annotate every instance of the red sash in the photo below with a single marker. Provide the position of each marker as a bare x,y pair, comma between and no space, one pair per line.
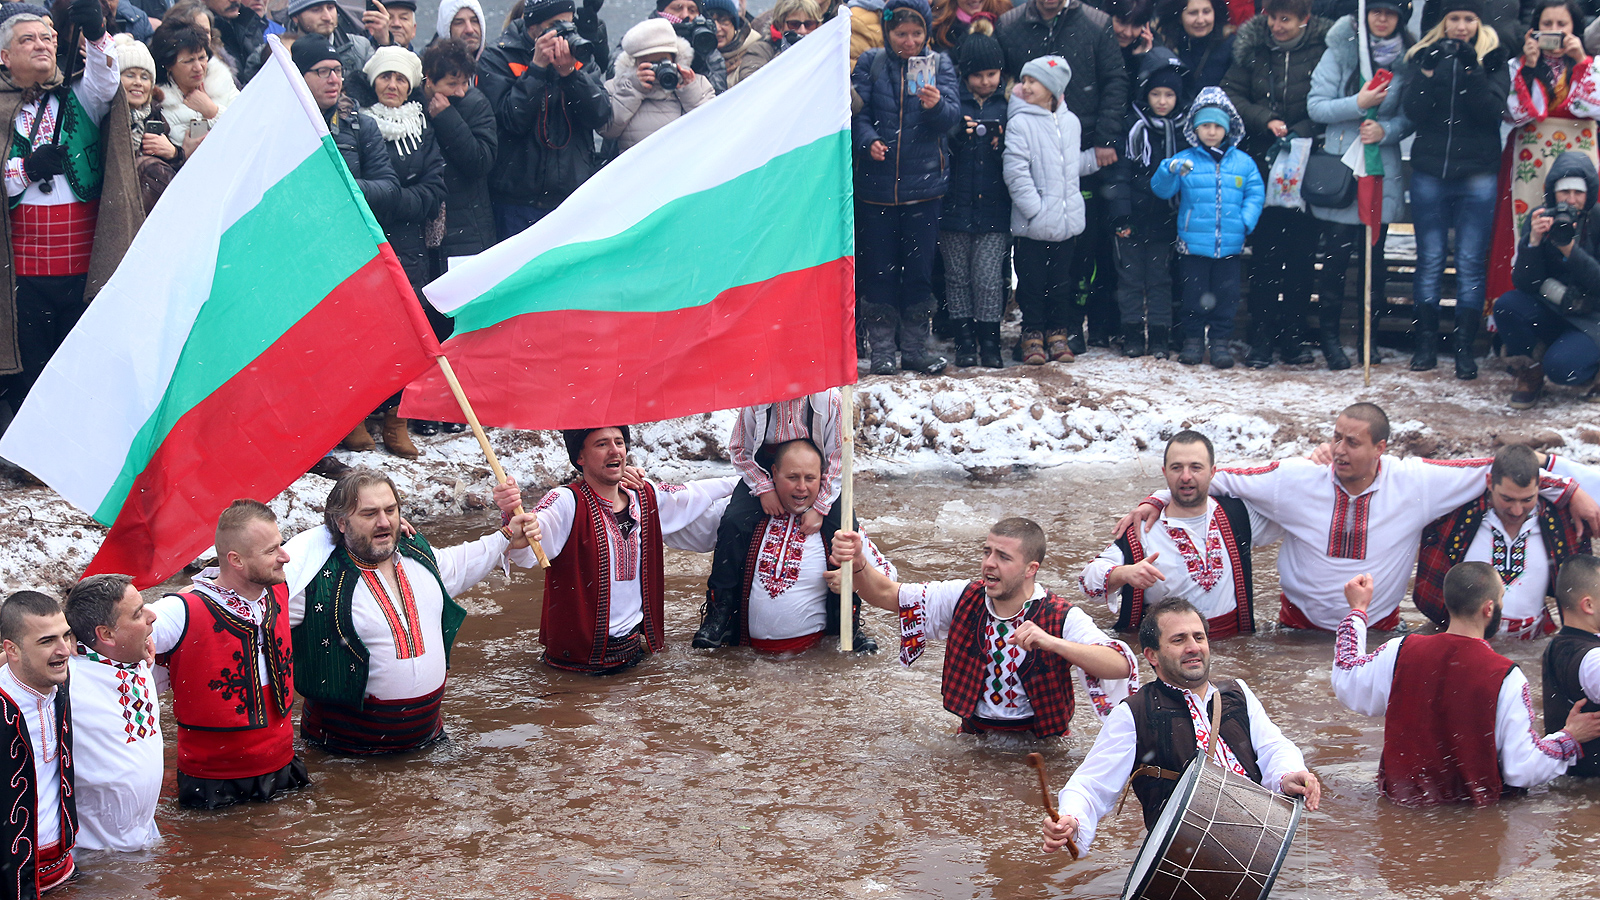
53,240
1290,616
787,645
55,866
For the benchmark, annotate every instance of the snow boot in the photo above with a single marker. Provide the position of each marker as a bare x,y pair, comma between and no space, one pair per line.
881,319
1291,349
1332,351
1194,351
1530,381
1060,347
1221,356
1033,349
989,345
1425,336
396,439
914,353
966,343
1133,340
359,439
1260,355
1467,323
1160,341
720,626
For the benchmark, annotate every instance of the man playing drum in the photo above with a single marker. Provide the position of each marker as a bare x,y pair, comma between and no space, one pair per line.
1158,731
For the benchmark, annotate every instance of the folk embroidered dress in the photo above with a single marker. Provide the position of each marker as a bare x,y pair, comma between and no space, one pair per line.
118,752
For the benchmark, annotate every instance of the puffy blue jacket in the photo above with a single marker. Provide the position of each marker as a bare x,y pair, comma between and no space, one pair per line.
1219,201
977,201
916,167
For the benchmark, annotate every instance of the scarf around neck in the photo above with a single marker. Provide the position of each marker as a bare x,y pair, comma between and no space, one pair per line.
400,125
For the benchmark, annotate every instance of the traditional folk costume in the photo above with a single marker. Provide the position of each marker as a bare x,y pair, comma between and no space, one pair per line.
1572,673
995,686
1587,477
1331,536
1206,561
118,749
1527,561
1552,108
40,830
370,659
1154,736
604,593
228,658
1443,740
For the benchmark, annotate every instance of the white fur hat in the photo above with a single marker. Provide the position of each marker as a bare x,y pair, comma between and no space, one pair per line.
650,36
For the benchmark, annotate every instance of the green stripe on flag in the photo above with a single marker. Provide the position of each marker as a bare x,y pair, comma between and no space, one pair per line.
790,214
274,265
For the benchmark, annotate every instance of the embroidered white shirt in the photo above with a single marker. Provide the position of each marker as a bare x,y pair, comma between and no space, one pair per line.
1524,594
39,715
172,617
117,754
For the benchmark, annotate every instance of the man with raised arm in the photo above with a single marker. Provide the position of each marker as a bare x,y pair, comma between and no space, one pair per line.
1459,728
1153,736
1010,643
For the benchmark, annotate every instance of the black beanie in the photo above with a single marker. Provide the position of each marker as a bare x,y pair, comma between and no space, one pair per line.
309,50
979,52
543,10
575,437
1472,6
1167,77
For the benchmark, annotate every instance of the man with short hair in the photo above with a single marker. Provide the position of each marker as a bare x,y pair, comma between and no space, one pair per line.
1572,658
1525,538
1010,644
39,832
1142,741
225,643
322,18
1198,551
402,24
117,715
1457,716
373,617
242,31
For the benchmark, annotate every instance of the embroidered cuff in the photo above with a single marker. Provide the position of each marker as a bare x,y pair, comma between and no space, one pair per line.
1571,750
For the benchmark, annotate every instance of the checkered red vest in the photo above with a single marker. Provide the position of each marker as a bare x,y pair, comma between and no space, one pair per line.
1447,539
1046,677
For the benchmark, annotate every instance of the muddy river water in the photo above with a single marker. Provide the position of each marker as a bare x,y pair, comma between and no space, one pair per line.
823,775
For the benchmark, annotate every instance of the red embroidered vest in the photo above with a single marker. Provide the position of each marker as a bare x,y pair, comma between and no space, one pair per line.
1046,677
577,587
1438,732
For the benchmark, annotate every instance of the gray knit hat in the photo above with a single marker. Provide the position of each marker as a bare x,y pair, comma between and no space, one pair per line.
1050,71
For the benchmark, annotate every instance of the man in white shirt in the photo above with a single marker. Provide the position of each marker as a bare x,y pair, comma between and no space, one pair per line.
117,714
36,725
1174,641
1010,644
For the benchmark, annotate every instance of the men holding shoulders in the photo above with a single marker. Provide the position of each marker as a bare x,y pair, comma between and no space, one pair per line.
1459,728
40,828
373,618
116,714
1173,639
1572,658
1010,644
1509,526
1199,550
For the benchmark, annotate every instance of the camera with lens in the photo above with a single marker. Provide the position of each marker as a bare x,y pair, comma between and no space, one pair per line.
988,127
667,75
700,33
1563,224
790,38
582,48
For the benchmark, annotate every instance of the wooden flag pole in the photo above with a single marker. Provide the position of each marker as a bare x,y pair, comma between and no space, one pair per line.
483,442
847,519
1366,314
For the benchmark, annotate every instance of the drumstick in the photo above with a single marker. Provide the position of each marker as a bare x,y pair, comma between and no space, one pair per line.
1037,762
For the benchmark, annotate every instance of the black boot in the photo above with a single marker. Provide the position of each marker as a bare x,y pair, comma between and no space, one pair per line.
1194,351
988,334
1160,342
966,343
1132,339
1425,353
1467,323
1328,331
915,356
1261,339
1291,349
721,622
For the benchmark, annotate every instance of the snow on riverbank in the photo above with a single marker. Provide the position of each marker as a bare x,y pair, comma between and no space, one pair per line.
1102,408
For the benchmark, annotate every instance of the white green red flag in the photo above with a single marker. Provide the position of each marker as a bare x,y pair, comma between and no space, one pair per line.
710,266
257,317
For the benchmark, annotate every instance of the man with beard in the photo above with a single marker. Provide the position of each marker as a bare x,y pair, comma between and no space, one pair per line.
1010,644
1460,729
225,644
1160,729
36,726
373,616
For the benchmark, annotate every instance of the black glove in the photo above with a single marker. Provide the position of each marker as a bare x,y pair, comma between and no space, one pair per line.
45,163
593,6
89,17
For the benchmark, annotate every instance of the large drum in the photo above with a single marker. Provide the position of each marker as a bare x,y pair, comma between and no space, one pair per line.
1220,837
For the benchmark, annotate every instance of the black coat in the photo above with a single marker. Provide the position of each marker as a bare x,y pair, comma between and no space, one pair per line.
1456,113
358,140
1266,83
1580,272
546,122
404,214
243,35
1207,60
467,141
1098,91
976,200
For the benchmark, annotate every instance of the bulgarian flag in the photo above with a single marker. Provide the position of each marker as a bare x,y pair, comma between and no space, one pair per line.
710,266
1369,174
257,317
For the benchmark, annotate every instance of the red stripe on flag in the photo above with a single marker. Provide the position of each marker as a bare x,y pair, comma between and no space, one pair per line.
783,337
269,423
1369,202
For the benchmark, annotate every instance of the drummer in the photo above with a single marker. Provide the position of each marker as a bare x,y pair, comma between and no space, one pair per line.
1147,740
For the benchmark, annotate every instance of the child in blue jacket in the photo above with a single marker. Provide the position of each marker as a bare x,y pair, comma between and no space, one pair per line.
1220,195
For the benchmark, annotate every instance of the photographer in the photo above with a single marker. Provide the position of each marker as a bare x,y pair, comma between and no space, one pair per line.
547,109
1556,301
684,15
655,83
791,21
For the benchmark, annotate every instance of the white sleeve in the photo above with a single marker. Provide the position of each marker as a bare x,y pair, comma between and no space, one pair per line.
1587,477
1092,581
679,505
1263,531
938,602
1092,790
465,565
742,445
555,513
1104,694
1361,680
699,536
1257,485
1275,754
830,442
877,560
172,615
1526,759
1589,675
101,78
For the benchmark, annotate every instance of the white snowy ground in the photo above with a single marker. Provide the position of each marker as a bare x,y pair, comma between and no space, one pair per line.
1101,408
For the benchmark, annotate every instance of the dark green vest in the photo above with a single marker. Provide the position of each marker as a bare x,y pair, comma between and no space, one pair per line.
326,648
81,135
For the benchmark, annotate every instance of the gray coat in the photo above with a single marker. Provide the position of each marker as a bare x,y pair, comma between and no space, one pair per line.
1332,102
1042,164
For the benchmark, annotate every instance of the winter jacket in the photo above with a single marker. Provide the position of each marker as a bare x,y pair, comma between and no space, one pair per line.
1098,92
1207,59
977,201
1580,272
363,150
637,113
1043,162
916,167
756,55
1150,139
1219,200
404,214
1332,102
242,35
180,118
866,27
131,20
546,121
734,52
466,136
1456,114
1265,83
